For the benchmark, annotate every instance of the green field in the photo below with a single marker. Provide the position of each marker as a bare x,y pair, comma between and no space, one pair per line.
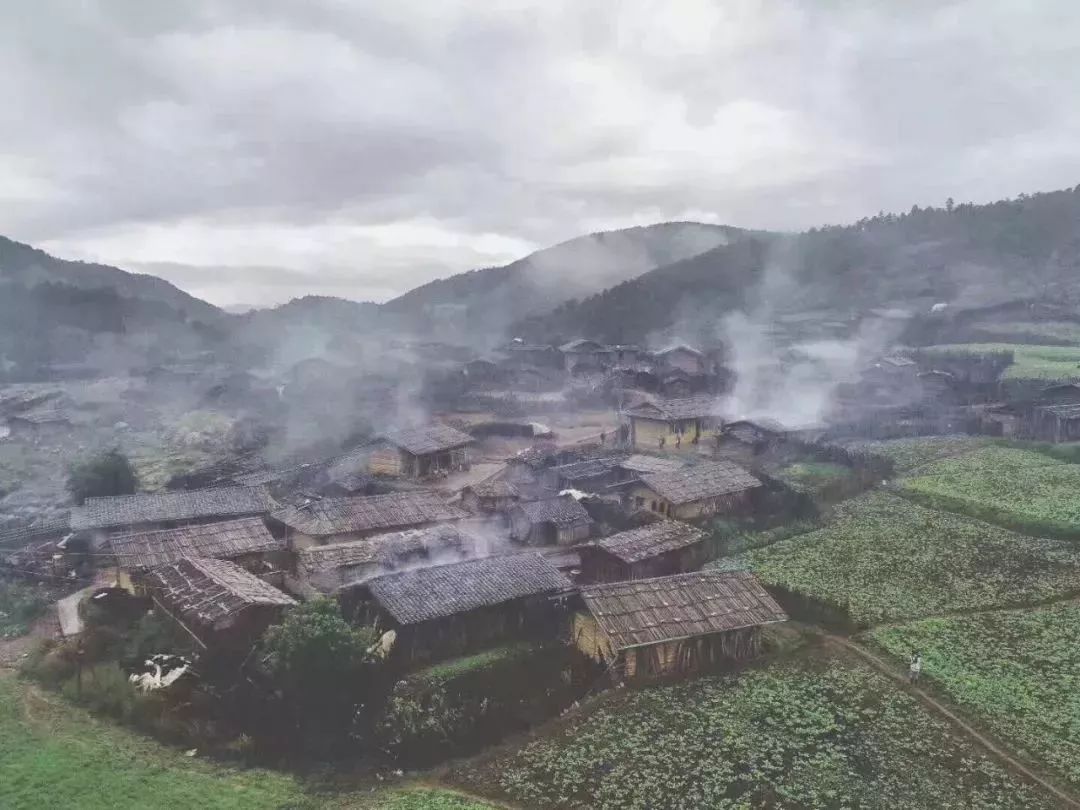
815,477
56,756
911,453
1066,332
818,732
1045,363
1021,489
883,558
1016,671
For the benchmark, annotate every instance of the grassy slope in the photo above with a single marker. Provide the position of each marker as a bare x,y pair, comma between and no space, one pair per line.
56,756
1020,489
1046,363
815,731
1014,670
884,558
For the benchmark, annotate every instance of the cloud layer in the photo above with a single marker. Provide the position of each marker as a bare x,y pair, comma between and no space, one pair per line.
262,149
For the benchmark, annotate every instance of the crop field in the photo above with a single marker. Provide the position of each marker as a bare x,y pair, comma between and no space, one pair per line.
56,756
1021,489
883,558
815,732
1063,332
911,453
1045,363
814,477
1016,671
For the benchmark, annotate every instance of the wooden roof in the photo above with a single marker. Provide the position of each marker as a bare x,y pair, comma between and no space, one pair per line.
652,611
383,549
430,439
158,507
225,540
562,511
649,541
677,408
397,510
210,593
709,479
423,594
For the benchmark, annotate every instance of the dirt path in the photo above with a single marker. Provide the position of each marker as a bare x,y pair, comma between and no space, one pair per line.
995,748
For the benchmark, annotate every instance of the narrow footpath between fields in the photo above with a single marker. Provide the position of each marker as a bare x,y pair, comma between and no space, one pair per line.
994,747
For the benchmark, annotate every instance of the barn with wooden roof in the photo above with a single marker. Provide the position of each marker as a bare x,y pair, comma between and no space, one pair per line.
421,452
694,491
553,521
448,610
245,541
674,625
334,520
656,550
219,603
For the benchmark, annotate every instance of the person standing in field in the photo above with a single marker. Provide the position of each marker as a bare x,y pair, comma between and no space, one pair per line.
915,667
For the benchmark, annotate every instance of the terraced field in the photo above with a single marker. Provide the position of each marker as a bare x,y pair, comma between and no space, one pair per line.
1015,671
820,731
1030,362
1020,489
911,453
883,558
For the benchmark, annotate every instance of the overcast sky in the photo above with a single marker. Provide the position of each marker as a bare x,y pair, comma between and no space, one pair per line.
253,151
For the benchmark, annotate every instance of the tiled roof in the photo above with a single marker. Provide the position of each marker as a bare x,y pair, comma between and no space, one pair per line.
679,347
383,549
651,611
225,540
581,345
653,540
589,468
651,464
132,510
706,480
494,488
431,439
678,408
209,593
424,594
562,511
397,510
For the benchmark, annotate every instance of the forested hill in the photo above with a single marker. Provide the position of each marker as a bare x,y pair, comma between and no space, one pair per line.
962,255
488,300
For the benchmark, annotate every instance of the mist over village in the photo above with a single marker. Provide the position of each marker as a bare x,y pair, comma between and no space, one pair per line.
470,406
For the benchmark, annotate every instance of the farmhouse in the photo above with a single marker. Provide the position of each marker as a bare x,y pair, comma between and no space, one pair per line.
420,452
554,521
448,610
659,549
315,522
161,510
245,541
674,625
493,495
585,355
671,424
709,488
324,569
216,601
757,433
683,358
589,475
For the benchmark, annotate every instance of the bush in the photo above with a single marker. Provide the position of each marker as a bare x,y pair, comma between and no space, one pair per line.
109,473
20,604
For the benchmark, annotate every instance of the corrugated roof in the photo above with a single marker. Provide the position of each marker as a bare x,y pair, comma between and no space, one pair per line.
132,510
224,540
653,540
209,593
397,510
677,408
706,480
383,549
430,439
651,611
424,594
562,511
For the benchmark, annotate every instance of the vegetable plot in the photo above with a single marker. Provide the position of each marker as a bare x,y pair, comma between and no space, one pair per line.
884,558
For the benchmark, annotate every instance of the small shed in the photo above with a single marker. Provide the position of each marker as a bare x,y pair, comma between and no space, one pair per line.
245,541
493,495
674,625
554,521
420,452
1056,423
324,569
317,521
216,601
695,491
659,549
449,610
